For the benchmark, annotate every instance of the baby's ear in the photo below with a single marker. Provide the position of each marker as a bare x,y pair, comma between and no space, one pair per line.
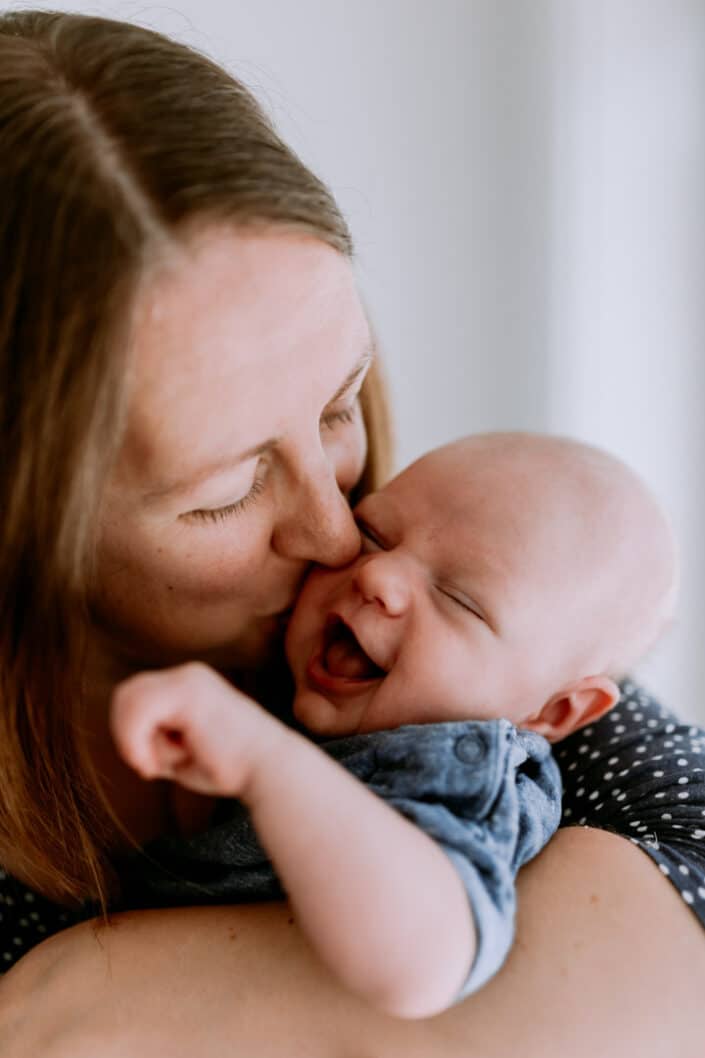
571,708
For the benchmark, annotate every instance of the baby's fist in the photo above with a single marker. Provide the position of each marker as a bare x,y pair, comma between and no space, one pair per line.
189,725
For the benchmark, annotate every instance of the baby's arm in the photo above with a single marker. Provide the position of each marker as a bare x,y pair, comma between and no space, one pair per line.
379,901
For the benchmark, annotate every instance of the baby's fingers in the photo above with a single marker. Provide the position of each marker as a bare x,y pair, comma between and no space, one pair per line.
187,723
145,725
169,753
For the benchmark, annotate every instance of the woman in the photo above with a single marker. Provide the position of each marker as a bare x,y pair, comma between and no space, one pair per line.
188,400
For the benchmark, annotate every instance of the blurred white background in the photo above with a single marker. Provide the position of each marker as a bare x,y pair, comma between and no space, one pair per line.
525,181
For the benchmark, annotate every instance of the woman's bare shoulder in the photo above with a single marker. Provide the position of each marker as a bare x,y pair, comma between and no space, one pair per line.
608,960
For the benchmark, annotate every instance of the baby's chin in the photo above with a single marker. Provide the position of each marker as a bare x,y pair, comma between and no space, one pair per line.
323,717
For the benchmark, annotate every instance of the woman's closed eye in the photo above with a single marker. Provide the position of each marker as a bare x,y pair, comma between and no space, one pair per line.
338,417
342,416
329,421
217,514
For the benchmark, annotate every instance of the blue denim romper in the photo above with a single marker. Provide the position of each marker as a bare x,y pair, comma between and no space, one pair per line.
487,793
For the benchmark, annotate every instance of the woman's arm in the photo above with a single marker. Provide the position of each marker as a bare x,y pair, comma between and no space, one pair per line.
608,961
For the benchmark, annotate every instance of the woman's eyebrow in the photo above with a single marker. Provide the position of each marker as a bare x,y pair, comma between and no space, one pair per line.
360,367
225,462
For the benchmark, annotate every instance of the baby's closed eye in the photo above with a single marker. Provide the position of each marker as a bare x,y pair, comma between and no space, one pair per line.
463,600
371,540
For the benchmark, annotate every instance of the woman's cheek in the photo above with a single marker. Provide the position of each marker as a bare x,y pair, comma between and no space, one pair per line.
159,561
214,568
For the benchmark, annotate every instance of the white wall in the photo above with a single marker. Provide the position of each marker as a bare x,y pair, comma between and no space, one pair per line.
525,180
626,308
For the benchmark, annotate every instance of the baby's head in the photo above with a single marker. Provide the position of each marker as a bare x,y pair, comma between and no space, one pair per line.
503,575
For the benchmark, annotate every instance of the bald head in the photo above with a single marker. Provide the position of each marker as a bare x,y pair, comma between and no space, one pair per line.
604,545
504,575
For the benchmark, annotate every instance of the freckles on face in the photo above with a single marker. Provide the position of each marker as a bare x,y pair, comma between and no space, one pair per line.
162,559
248,357
173,599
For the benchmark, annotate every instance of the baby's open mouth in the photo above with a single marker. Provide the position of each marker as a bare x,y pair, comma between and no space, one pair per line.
343,656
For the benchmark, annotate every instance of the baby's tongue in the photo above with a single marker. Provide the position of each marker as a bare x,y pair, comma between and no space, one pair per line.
345,658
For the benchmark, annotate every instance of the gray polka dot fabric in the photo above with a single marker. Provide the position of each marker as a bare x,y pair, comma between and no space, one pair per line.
26,919
638,772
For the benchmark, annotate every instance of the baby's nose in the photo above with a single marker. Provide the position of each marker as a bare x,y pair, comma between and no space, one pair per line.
381,579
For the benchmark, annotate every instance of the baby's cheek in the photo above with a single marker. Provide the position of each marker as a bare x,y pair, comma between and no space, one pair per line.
312,607
300,638
432,688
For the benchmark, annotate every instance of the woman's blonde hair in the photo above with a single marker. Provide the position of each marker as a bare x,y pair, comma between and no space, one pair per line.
113,140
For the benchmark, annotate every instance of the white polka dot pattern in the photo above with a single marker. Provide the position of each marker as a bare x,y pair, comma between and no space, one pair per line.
639,772
26,919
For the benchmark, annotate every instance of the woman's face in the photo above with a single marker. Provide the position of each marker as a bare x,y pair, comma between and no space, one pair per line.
244,438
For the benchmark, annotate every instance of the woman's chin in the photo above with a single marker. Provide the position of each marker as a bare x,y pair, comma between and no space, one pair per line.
258,648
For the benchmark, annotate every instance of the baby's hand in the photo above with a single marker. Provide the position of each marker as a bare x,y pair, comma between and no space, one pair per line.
189,725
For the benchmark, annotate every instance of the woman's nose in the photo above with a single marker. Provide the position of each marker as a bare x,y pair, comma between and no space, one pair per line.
380,578
317,525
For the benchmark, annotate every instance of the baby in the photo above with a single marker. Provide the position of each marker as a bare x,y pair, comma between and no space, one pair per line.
505,583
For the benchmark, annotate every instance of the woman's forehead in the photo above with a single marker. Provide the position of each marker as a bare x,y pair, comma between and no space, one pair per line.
262,292
241,333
